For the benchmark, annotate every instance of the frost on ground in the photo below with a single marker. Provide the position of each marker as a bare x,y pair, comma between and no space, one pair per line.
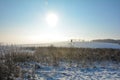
55,63
35,71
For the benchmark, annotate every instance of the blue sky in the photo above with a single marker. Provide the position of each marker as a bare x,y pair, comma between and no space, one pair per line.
23,21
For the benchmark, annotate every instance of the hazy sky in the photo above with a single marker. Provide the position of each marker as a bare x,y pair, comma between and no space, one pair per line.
23,21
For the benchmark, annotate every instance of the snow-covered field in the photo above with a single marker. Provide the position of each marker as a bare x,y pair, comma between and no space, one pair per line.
65,71
80,45
101,71
74,44
88,45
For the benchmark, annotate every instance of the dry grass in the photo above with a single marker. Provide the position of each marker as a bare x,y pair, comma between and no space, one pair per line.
52,56
9,70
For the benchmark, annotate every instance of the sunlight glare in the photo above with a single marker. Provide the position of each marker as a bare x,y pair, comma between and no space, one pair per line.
52,19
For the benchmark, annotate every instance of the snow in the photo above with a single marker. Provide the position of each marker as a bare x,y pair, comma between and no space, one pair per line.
96,45
79,45
64,72
97,71
88,45
76,44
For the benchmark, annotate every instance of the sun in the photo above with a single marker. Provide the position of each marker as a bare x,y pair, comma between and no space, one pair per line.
52,19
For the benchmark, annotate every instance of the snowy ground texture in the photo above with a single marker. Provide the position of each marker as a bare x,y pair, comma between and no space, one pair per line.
101,71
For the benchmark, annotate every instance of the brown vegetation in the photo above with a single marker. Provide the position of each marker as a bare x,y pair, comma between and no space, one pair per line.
79,55
52,56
